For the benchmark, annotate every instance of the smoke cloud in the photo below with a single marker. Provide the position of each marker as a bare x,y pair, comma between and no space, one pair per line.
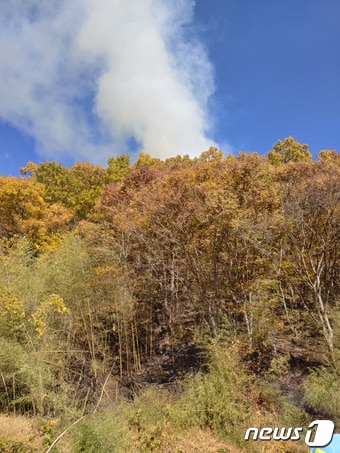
84,78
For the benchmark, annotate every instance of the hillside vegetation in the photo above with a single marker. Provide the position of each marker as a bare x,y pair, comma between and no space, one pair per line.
167,306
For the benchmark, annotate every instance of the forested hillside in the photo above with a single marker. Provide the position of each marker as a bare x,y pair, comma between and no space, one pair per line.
167,306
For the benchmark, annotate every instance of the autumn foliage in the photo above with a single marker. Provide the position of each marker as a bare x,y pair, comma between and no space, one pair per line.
137,269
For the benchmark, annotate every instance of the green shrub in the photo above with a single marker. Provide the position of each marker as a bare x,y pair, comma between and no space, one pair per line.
322,393
219,399
140,426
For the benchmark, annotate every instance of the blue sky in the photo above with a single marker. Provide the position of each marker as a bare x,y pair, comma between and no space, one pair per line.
277,69
79,82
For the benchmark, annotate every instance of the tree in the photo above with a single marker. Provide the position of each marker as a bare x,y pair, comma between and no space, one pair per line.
89,176
181,230
22,208
312,238
60,184
211,154
288,150
75,188
145,160
329,154
117,167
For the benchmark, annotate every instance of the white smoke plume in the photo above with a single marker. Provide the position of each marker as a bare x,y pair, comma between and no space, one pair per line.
84,77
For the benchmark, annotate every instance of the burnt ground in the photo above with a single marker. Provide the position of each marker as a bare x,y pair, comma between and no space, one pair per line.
168,369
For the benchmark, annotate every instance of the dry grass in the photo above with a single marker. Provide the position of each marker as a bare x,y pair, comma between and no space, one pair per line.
281,447
23,429
197,440
17,427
